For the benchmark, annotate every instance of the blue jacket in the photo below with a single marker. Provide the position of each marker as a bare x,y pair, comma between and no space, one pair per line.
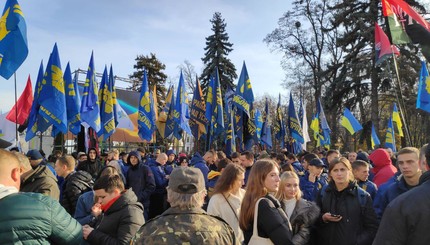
368,186
198,162
160,173
141,180
310,190
298,168
83,208
378,201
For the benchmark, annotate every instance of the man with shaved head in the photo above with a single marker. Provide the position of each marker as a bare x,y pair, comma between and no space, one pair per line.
31,217
161,171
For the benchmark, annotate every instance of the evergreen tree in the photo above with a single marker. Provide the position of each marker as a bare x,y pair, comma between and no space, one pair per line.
216,51
156,75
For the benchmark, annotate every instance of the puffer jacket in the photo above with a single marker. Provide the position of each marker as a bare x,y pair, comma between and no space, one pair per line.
304,216
41,180
74,185
32,218
382,166
358,225
120,222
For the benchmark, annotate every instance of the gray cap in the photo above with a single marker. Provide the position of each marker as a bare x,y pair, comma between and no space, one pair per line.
186,180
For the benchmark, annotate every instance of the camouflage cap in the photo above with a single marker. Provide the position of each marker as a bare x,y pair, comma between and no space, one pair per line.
186,180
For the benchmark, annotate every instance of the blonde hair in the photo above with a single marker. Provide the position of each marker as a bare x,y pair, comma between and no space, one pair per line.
255,189
280,195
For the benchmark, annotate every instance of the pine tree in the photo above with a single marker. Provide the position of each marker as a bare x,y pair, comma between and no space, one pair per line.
216,51
156,76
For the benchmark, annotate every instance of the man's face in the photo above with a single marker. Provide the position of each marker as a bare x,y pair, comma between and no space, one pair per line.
317,171
332,156
60,169
162,160
245,161
390,152
408,164
209,158
171,157
92,154
236,160
361,173
134,160
34,163
352,156
103,197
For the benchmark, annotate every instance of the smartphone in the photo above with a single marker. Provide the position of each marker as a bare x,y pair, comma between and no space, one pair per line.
335,215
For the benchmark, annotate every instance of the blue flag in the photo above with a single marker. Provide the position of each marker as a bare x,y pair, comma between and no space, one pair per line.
198,118
244,97
423,97
350,122
279,126
36,123
114,98
90,107
166,122
230,140
107,118
73,101
13,39
52,97
146,120
181,111
321,130
214,107
266,133
374,138
294,125
390,140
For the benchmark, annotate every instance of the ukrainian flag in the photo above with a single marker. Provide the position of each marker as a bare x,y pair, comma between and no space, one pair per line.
374,138
390,141
397,120
350,122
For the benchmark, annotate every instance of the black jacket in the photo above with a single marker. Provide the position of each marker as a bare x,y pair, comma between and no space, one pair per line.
119,223
94,168
141,180
74,185
358,225
304,216
271,223
407,218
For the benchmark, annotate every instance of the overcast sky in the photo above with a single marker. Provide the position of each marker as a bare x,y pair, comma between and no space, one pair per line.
118,31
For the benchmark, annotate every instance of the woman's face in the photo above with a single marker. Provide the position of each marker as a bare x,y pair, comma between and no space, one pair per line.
340,174
272,180
238,183
291,188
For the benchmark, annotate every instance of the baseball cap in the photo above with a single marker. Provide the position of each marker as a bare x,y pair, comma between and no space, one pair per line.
186,180
316,162
34,155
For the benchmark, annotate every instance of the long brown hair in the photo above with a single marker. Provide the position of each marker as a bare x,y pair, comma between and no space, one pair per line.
228,177
254,190
345,162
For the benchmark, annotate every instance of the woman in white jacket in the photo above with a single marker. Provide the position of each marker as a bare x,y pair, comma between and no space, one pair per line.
227,198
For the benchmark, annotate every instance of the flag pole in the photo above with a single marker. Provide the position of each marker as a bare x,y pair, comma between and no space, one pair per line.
400,101
16,113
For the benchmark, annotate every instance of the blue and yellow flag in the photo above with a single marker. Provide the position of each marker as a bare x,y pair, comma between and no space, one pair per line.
52,97
181,112
390,141
165,123
279,125
350,122
423,97
214,107
320,127
90,107
244,97
198,118
114,98
106,101
374,139
36,123
73,101
266,133
294,125
230,140
13,39
146,120
397,120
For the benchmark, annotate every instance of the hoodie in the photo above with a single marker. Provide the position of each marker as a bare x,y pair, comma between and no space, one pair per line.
198,162
382,166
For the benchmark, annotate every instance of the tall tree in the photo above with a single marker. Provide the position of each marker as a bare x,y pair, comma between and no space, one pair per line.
216,51
189,75
156,75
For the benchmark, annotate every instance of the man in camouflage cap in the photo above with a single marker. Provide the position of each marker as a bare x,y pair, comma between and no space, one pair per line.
185,221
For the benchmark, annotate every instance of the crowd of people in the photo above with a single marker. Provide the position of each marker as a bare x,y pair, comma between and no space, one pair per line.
320,197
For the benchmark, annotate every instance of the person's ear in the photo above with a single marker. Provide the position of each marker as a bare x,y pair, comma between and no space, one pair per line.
16,174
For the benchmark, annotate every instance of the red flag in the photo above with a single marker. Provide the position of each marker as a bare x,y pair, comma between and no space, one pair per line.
22,106
383,47
398,6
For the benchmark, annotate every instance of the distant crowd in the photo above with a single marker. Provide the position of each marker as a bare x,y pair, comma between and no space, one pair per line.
321,197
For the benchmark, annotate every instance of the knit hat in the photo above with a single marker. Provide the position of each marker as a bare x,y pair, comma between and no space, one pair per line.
34,155
186,180
170,152
363,156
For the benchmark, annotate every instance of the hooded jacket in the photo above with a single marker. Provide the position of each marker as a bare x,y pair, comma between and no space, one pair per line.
92,167
140,179
120,222
382,166
41,180
197,161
